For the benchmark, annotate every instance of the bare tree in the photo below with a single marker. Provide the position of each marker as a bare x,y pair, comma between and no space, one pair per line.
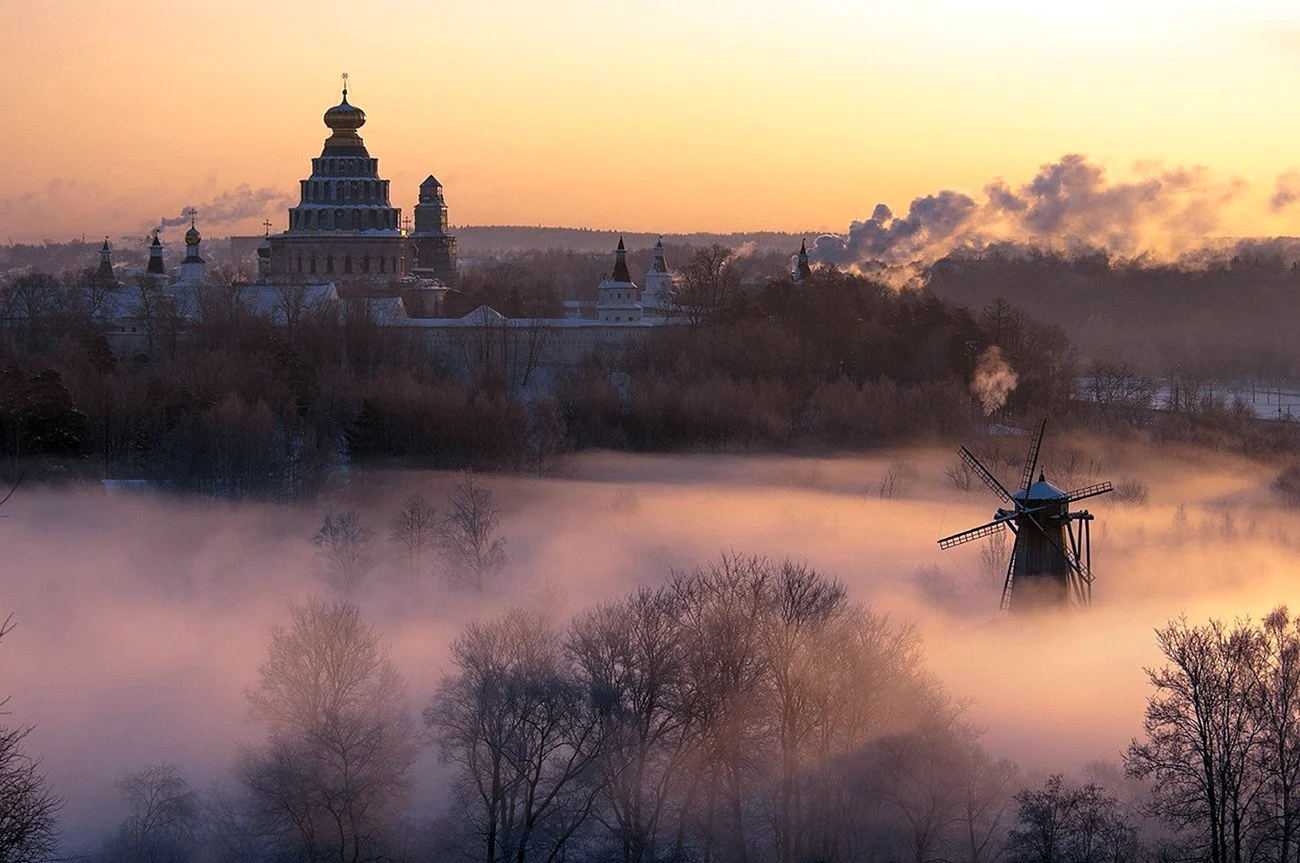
708,285
526,736
163,815
1202,735
343,548
414,530
28,806
1059,824
635,649
1277,684
336,766
468,532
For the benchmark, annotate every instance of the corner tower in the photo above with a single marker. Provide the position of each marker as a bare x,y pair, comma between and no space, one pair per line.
657,298
616,303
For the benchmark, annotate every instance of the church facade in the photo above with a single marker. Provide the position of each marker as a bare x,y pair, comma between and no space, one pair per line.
345,228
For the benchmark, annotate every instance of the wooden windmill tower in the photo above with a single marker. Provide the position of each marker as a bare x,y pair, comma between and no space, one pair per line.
1051,557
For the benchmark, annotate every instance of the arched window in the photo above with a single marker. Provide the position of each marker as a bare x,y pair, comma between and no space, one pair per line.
313,264
329,263
394,263
347,263
300,263
365,264
381,263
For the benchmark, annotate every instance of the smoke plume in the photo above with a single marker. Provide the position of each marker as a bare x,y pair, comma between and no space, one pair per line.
1069,204
242,202
1285,192
994,380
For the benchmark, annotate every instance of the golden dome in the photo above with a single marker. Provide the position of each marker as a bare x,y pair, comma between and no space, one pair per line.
192,236
344,120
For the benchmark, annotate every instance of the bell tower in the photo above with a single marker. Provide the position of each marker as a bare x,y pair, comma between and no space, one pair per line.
435,249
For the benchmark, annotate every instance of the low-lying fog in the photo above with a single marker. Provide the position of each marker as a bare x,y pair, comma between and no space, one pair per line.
140,621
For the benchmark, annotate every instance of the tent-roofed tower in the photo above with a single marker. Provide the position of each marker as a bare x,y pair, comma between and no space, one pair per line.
434,250
657,294
104,275
344,225
155,267
802,269
617,298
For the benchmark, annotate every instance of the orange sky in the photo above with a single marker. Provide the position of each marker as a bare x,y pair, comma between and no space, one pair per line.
664,116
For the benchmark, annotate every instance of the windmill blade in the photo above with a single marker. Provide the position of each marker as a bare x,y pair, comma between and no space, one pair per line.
1090,491
1008,583
975,533
985,474
1031,462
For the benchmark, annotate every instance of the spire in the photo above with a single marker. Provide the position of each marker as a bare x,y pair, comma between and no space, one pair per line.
802,270
155,266
657,263
104,274
621,273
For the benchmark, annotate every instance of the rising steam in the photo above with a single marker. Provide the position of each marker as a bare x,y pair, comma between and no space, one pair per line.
994,380
1069,204
1286,192
242,202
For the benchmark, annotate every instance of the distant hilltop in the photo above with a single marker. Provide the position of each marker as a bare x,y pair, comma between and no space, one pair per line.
485,239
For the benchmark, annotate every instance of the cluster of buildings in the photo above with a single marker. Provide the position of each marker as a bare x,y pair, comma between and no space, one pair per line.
346,243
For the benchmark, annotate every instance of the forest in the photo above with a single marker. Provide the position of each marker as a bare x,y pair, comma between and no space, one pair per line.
231,406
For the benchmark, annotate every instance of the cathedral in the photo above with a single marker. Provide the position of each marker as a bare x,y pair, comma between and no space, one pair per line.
344,227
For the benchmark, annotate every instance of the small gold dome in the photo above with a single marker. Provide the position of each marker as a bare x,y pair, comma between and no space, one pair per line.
192,236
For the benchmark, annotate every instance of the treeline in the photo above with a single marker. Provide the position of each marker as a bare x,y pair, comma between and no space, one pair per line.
222,402
225,403
1224,318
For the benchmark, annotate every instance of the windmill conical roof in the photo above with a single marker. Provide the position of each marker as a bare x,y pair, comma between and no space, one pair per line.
1041,490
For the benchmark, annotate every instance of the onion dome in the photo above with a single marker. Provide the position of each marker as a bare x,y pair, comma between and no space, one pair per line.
192,236
344,120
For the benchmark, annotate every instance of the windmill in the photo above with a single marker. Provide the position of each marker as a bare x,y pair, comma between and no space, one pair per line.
1051,557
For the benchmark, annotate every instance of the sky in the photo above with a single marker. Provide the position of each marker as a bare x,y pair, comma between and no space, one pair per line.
671,116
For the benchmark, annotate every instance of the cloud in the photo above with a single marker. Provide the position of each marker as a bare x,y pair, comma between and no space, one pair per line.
1070,203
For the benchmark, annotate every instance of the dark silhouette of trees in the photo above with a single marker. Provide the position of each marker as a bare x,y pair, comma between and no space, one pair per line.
526,733
1220,746
708,286
344,546
335,769
468,533
28,806
1059,824
164,817
743,711
414,530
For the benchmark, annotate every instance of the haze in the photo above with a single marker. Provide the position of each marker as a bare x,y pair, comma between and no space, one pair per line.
142,623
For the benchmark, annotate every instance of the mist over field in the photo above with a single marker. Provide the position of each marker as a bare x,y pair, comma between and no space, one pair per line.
142,621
